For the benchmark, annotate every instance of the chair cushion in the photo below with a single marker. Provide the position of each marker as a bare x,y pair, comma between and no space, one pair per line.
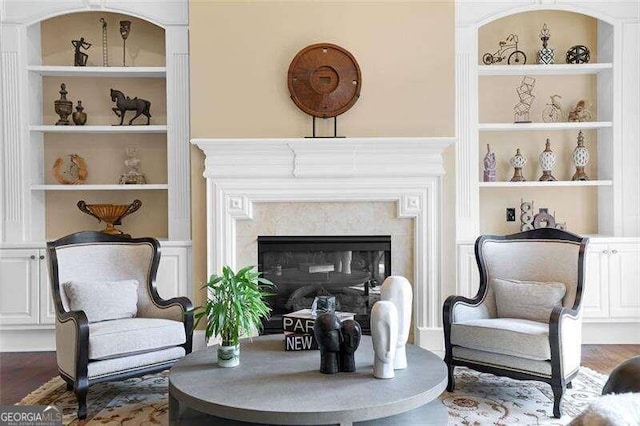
103,300
116,338
509,336
530,300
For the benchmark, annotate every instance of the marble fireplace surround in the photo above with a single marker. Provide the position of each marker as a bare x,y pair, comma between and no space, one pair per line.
407,171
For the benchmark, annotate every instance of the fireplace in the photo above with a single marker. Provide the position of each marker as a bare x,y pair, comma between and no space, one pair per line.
351,268
244,175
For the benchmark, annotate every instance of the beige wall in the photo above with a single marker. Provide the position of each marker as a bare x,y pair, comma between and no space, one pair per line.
240,53
497,97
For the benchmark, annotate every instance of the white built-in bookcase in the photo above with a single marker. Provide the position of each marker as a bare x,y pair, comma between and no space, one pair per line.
612,305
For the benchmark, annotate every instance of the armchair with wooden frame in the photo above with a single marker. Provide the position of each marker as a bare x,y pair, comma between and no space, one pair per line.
150,340
548,349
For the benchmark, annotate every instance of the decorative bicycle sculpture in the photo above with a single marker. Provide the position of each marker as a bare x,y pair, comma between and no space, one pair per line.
552,113
516,57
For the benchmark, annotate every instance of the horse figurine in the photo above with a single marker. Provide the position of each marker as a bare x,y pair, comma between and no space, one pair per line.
124,104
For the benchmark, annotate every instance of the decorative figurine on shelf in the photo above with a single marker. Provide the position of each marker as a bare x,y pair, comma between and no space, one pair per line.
351,335
80,58
398,290
578,54
105,51
384,335
547,160
124,104
489,162
517,162
133,175
79,116
580,159
526,215
125,30
328,334
516,57
552,113
63,107
525,93
580,112
546,55
543,219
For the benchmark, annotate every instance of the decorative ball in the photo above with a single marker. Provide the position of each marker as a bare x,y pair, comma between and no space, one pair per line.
578,54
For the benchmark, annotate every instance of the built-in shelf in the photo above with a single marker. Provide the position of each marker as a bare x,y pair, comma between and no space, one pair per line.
538,184
101,129
512,127
67,71
83,187
535,69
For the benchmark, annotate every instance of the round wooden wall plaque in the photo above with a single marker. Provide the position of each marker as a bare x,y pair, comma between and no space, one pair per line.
324,80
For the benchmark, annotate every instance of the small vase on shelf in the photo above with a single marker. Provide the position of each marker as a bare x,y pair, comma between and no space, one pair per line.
517,162
580,159
547,160
79,116
489,162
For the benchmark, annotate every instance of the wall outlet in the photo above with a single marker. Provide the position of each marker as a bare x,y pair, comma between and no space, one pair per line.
511,214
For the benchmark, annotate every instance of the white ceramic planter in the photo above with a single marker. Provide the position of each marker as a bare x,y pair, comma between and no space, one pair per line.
229,356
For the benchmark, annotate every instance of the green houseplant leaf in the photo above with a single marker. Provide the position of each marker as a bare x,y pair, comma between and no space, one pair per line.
235,304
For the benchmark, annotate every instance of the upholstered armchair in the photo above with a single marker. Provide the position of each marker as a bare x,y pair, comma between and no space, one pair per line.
525,321
111,324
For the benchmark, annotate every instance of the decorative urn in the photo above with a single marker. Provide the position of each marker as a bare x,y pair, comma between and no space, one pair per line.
517,162
580,159
546,55
547,160
63,107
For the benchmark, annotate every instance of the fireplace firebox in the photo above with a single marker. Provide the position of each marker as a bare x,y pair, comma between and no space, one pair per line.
351,268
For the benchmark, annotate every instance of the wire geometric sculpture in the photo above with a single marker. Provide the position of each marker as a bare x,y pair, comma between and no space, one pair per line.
525,93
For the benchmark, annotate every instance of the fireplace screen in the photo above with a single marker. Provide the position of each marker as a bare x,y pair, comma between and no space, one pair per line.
351,268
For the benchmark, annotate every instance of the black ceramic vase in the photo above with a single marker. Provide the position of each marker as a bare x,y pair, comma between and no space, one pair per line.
327,331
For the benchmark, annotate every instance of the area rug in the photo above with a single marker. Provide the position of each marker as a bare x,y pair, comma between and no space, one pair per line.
479,399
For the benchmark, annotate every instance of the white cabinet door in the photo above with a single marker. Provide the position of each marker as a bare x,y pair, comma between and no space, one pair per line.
624,278
19,290
595,302
173,272
47,310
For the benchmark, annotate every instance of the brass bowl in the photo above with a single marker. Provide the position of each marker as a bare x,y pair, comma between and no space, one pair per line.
111,214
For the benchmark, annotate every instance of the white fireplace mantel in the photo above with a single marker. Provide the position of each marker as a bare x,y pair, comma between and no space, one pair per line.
407,171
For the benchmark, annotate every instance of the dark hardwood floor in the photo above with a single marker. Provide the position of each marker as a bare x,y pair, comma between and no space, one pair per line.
23,372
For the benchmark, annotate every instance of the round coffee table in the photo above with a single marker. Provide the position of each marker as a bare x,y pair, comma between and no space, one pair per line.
272,386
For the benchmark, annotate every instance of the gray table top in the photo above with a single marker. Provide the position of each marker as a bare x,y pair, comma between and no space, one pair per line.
274,386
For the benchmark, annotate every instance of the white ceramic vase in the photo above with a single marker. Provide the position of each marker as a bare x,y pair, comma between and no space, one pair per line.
398,290
580,159
517,162
384,334
547,160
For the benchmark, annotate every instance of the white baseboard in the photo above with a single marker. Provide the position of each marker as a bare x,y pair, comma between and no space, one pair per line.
35,340
609,333
431,339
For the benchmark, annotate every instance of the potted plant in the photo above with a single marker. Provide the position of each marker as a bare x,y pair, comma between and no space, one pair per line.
235,307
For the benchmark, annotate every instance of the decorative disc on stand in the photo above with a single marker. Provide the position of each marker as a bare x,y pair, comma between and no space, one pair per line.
324,80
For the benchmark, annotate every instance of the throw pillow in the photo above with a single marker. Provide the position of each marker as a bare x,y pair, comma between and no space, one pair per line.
529,300
103,300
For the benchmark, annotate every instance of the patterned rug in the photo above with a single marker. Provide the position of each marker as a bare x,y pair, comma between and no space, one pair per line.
479,399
